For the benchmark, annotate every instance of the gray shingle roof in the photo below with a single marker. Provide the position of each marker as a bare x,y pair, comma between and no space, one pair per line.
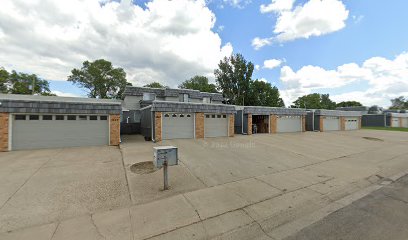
273,110
323,112
14,103
162,106
168,92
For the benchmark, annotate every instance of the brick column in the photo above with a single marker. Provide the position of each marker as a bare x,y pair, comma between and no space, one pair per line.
303,123
391,121
400,122
158,126
199,125
342,123
4,132
273,123
114,126
231,128
360,120
249,124
321,119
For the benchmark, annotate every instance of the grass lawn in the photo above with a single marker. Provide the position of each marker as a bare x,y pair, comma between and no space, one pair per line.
387,129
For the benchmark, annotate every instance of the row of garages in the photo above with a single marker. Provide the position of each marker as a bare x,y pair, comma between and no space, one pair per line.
395,120
35,122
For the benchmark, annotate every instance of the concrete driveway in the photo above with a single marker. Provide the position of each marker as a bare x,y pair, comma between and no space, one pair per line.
45,186
246,187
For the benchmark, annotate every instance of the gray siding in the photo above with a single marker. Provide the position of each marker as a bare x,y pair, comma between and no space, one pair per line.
132,102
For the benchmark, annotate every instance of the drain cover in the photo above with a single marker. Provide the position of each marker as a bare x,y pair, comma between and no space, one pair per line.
373,139
143,168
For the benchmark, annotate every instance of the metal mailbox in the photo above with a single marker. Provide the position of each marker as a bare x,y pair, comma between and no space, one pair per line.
163,153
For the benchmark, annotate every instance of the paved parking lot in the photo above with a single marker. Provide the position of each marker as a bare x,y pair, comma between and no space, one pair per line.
246,187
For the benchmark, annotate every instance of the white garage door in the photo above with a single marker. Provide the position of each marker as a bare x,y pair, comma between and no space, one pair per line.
331,124
215,125
405,122
395,122
289,124
32,131
351,123
178,125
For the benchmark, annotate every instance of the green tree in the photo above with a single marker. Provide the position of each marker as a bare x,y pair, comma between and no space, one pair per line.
154,85
4,76
21,83
349,104
315,101
234,76
399,103
199,83
100,79
264,94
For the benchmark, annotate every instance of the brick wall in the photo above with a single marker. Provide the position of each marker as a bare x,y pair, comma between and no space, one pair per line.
199,125
114,121
321,119
4,134
273,123
400,122
342,123
249,124
231,130
303,123
158,126
359,122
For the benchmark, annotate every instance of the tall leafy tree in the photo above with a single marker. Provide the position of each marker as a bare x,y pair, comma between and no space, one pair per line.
349,104
100,79
264,94
154,85
4,75
234,76
199,83
315,101
399,103
22,83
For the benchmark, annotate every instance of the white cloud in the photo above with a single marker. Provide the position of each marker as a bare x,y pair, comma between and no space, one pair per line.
263,80
161,42
314,18
277,6
237,3
257,67
65,94
386,79
258,43
272,63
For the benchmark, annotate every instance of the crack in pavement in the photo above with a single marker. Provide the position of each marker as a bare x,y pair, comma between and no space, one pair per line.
96,227
260,226
55,230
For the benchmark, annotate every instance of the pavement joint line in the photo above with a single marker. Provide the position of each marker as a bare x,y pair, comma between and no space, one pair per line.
260,226
131,224
394,198
126,175
55,230
96,227
191,172
35,172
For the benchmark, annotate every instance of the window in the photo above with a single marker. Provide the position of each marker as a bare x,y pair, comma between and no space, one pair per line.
181,115
174,115
82,117
188,115
103,118
149,96
71,117
183,97
93,118
47,117
34,117
59,117
166,115
20,117
206,100
224,116
212,116
207,116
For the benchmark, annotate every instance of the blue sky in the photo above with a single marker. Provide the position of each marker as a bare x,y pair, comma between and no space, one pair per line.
357,51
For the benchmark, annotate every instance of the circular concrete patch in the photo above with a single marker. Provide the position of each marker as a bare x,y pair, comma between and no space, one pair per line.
143,168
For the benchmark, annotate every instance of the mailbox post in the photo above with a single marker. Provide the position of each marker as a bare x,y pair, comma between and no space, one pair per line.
165,156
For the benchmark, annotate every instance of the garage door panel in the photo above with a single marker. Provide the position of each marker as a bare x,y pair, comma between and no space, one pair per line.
289,124
405,122
37,134
215,125
395,122
331,124
178,126
351,124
